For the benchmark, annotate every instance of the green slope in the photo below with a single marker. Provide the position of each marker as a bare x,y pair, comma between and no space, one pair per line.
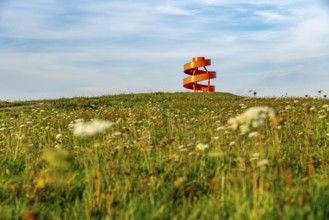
168,156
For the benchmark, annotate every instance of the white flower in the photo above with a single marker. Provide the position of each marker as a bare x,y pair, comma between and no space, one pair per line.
254,117
79,120
255,156
322,116
253,134
232,143
58,137
116,134
91,128
262,163
120,134
220,128
202,146
243,106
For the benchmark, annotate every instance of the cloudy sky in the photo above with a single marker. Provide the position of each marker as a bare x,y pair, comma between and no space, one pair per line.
60,48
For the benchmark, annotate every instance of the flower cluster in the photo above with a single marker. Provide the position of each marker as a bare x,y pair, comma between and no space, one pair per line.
252,118
91,128
202,147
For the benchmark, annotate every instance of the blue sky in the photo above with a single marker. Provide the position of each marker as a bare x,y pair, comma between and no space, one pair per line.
58,48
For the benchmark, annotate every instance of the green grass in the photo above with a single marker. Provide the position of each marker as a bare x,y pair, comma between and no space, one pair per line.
153,170
4,104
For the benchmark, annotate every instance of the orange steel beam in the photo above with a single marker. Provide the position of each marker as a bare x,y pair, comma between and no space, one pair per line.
197,75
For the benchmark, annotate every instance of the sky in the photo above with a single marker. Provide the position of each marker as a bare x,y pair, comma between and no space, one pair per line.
60,48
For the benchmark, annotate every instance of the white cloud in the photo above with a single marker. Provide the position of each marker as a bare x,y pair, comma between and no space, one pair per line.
272,16
172,10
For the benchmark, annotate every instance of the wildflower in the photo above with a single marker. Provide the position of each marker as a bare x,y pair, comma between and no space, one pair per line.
220,128
79,120
58,137
326,107
91,128
202,146
116,134
253,134
252,118
322,116
120,134
243,106
255,156
262,163
191,154
183,149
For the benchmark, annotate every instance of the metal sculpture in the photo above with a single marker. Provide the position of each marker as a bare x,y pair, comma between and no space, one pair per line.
197,75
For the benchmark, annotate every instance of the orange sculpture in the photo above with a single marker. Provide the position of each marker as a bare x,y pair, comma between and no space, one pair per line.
197,75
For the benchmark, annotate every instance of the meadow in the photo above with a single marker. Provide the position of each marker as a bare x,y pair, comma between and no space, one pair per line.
165,156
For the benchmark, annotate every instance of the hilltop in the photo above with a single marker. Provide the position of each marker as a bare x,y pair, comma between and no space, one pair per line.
165,156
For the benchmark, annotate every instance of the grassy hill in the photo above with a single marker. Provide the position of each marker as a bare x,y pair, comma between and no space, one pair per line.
165,156
4,103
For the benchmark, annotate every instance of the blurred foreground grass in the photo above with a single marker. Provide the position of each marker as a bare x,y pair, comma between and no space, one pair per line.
167,156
